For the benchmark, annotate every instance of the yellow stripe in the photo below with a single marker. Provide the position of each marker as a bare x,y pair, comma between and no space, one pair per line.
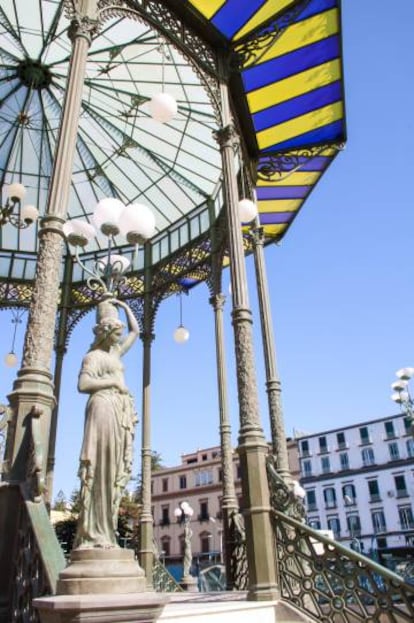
299,178
207,7
279,205
295,85
302,34
300,125
272,7
274,230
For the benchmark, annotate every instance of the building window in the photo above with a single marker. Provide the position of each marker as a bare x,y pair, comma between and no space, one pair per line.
394,451
304,446
164,485
165,516
407,425
410,448
329,495
205,540
165,546
334,525
344,460
340,439
203,514
325,465
238,472
311,500
389,430
364,435
204,477
349,494
406,517
368,457
378,521
306,468
374,493
323,445
400,486
382,542
220,475
183,482
315,523
354,525
204,457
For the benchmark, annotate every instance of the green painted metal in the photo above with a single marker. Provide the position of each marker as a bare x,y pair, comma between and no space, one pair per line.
330,583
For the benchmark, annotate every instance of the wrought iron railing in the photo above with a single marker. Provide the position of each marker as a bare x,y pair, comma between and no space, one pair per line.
331,583
162,579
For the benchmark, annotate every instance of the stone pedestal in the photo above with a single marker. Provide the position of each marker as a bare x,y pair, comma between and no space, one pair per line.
97,608
110,571
189,584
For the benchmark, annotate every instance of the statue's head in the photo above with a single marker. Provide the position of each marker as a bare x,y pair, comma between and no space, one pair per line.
108,325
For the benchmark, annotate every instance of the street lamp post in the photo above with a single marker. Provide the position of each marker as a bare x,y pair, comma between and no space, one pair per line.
183,513
401,394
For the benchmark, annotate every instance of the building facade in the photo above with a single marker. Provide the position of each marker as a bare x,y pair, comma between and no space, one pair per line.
198,481
359,483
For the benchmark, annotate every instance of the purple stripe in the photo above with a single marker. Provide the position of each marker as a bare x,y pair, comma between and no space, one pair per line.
282,192
317,163
276,218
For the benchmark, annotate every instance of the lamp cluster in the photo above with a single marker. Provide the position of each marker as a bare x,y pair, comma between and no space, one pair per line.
13,212
184,511
401,393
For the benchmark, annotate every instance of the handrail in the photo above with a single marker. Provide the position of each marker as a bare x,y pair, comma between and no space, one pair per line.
330,582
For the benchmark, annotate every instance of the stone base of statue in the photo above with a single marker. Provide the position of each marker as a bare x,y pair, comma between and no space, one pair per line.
101,586
188,583
97,570
101,608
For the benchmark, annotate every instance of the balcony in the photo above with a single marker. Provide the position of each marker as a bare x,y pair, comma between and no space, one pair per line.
203,517
375,498
402,493
165,521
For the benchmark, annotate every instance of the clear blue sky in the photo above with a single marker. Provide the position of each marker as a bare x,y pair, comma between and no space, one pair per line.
341,282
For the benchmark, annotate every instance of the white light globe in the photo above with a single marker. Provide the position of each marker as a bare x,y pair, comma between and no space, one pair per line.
405,373
107,214
298,490
247,210
16,191
177,512
163,107
29,213
399,386
137,223
181,335
11,360
78,232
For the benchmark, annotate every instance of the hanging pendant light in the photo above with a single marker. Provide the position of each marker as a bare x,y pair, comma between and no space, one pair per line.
247,208
11,359
163,106
181,334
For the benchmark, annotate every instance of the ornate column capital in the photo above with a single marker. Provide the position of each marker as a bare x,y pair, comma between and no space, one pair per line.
84,17
227,136
217,301
257,236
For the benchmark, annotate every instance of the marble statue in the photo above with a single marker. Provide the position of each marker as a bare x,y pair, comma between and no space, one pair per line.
106,454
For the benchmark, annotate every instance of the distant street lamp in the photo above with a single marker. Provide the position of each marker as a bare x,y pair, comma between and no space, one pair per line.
402,394
183,513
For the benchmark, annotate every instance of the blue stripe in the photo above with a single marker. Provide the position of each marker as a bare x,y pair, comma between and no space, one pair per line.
267,193
234,14
332,132
276,218
317,163
316,6
298,106
292,63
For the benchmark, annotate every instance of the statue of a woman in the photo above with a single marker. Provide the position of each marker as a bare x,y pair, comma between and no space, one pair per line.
106,455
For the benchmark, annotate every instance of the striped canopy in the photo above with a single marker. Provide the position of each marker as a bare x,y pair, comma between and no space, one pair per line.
292,81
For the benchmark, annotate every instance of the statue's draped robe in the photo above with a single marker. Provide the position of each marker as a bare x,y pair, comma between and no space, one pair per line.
106,455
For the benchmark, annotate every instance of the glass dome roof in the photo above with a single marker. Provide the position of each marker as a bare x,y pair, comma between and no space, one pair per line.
121,151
